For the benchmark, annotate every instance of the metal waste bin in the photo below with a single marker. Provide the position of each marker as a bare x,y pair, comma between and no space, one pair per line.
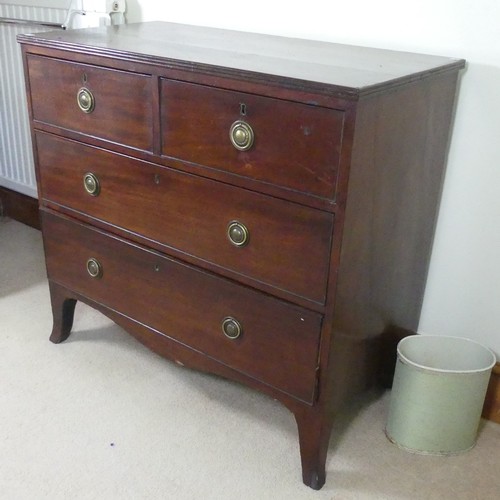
438,393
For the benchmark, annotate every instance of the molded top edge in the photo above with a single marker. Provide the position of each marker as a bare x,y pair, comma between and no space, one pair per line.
343,70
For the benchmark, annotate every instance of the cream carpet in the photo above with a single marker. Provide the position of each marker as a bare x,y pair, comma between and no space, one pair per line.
101,417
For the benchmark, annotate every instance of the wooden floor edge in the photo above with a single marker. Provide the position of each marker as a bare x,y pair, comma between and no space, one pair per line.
19,207
491,408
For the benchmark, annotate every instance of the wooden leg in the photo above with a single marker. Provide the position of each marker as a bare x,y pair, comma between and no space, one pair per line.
63,310
314,436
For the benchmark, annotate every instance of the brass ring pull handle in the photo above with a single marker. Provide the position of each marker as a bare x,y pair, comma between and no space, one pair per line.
231,328
241,135
85,100
94,268
238,233
91,184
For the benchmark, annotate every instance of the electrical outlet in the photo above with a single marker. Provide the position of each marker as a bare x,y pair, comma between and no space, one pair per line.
108,6
115,6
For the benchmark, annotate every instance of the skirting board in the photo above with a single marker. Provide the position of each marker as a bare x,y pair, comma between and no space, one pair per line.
19,207
491,408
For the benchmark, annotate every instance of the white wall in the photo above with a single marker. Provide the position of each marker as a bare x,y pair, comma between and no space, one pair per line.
463,289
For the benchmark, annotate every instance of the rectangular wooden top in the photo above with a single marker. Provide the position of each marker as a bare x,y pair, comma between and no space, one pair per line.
343,70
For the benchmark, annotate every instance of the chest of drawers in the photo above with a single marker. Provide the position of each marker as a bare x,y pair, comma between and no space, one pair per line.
257,207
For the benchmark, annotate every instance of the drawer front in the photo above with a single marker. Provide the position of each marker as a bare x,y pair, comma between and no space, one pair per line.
120,105
296,146
288,245
277,342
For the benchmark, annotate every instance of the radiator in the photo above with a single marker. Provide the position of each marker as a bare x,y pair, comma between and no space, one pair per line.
16,160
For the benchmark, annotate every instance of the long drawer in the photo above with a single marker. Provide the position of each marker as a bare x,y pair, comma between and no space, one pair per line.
60,89
276,342
287,245
293,145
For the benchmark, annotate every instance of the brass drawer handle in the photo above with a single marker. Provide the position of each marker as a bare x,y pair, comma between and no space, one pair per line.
85,100
91,184
94,268
241,135
238,233
231,328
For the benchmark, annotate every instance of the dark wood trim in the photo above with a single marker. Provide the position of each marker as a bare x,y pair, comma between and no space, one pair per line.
491,408
19,207
387,347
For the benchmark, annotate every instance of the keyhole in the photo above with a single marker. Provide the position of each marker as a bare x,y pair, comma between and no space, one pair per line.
157,178
84,78
157,267
243,109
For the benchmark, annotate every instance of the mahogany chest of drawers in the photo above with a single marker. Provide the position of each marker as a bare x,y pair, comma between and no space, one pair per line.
257,207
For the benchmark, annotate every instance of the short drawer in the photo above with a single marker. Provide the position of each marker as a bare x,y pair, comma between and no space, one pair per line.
117,106
292,145
287,245
255,334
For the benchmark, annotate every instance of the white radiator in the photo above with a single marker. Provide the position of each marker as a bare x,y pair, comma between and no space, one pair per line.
16,160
